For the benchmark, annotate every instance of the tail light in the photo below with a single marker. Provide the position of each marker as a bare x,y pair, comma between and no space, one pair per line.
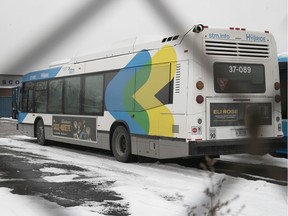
199,85
276,85
277,98
199,99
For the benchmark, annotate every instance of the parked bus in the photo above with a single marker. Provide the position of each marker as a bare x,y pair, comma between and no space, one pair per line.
283,81
180,96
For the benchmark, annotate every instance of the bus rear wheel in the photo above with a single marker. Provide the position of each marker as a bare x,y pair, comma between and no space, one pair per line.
40,133
121,144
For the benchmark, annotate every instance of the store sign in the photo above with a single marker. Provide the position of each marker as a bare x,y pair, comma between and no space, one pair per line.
10,80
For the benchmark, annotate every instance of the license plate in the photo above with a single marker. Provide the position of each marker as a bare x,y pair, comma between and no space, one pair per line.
241,132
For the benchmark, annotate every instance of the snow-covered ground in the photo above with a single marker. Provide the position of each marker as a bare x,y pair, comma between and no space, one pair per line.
148,188
4,119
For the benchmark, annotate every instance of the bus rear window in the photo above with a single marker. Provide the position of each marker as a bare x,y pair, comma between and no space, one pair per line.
239,78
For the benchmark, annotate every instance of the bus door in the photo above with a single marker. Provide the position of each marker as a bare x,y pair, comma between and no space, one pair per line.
230,118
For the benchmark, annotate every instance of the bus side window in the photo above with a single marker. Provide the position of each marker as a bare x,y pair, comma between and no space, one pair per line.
30,100
27,97
55,97
21,99
40,97
93,95
72,88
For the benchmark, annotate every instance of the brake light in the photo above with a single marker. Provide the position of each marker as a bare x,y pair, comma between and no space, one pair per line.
276,85
199,85
277,98
199,99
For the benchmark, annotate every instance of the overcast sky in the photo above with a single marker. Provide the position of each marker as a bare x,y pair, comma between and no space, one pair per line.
35,33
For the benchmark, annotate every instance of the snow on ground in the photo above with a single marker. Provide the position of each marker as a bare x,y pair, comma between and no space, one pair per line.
150,189
256,159
4,119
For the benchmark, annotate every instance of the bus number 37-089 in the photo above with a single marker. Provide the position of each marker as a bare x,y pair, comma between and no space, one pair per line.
240,69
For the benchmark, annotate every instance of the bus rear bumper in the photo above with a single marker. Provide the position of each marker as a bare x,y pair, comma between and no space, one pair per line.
235,146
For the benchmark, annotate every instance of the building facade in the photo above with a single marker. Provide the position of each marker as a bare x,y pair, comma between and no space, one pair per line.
7,83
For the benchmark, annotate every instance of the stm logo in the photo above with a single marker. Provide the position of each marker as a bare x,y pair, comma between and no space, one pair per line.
219,36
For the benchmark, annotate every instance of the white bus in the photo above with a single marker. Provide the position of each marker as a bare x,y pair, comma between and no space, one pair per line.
179,96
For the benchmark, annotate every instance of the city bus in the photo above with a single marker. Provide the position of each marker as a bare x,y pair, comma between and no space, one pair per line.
178,96
282,59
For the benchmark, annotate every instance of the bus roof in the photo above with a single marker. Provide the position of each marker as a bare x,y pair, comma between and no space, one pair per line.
41,74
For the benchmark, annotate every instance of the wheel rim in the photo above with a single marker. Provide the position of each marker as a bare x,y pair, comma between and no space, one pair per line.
121,145
40,133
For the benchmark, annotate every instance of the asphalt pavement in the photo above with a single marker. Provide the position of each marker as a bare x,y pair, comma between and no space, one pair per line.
23,177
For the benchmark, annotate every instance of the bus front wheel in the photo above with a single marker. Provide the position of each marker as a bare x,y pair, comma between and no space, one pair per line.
121,144
40,133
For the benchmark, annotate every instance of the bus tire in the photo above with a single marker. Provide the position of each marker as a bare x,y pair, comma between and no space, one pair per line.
121,144
40,132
